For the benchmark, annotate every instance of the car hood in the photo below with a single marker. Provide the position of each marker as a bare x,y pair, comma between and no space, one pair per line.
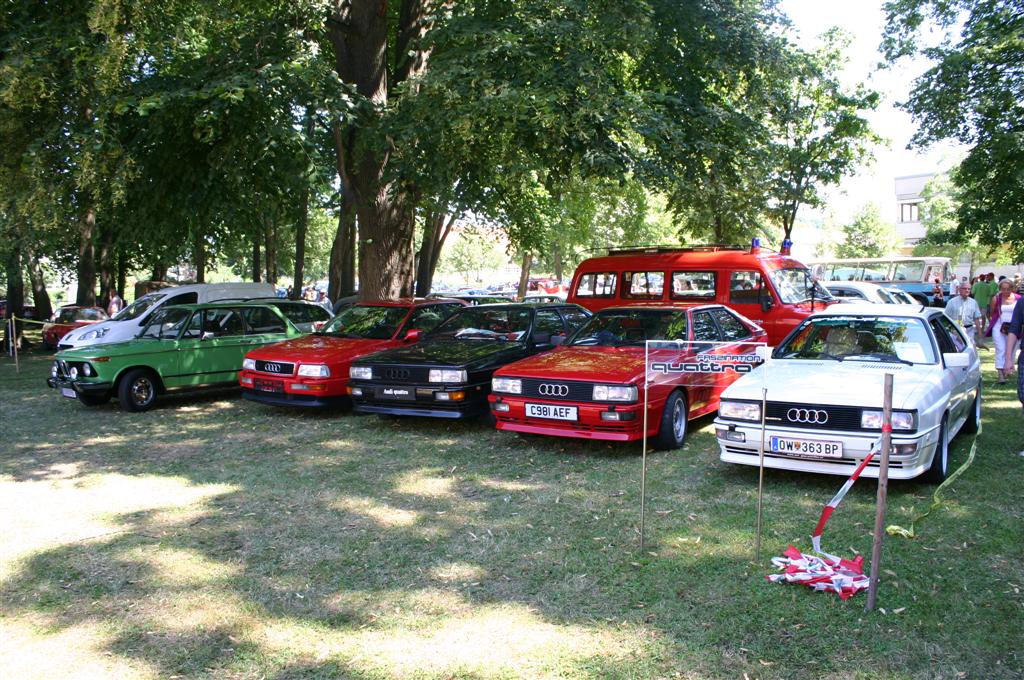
123,348
828,382
449,353
601,364
323,349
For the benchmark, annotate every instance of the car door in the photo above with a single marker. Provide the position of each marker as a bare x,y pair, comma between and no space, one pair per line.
961,383
212,347
706,338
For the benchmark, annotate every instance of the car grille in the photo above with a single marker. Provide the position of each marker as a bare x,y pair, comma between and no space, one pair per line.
814,416
558,390
401,374
276,367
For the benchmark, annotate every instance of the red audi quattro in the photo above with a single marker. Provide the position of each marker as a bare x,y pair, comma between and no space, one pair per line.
592,387
313,370
772,289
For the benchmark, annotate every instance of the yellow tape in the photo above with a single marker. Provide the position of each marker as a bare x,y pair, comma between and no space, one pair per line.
896,530
21,320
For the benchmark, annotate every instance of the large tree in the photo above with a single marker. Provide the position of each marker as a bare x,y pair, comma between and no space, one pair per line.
973,93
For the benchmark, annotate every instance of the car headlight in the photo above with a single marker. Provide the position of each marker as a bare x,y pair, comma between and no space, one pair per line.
94,334
53,370
614,393
73,372
314,371
87,370
901,420
445,375
360,373
739,410
249,364
510,385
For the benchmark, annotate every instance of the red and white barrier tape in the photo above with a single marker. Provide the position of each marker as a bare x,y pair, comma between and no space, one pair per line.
824,571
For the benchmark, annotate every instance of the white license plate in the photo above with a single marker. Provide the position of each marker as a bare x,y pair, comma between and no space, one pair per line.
68,392
806,447
551,412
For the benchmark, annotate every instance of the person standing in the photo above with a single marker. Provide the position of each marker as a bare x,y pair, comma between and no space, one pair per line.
1002,311
964,310
983,291
938,298
115,305
1013,335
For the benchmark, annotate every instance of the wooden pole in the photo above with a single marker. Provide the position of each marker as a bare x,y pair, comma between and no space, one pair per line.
643,455
760,476
883,489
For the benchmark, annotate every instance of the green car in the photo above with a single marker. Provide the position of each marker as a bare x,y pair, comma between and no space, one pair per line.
182,346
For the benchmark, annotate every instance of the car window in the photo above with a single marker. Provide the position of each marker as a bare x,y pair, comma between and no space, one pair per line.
548,321
90,314
139,307
366,321
622,327
263,320
745,287
483,323
704,327
643,285
596,285
952,333
166,324
426,319
874,339
731,327
693,285
183,299
574,318
222,323
66,316
301,313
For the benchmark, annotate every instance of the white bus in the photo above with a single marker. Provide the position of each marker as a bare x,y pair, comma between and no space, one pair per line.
916,275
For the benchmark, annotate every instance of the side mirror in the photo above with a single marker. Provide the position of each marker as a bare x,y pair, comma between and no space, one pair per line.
766,302
542,338
557,340
412,335
956,360
207,335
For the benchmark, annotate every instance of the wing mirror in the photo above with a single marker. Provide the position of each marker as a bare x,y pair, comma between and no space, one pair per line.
412,335
766,302
956,360
207,335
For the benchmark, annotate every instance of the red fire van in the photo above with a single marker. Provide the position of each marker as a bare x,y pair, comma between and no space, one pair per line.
770,288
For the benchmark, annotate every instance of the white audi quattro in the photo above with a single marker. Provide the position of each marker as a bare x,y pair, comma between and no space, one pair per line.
825,385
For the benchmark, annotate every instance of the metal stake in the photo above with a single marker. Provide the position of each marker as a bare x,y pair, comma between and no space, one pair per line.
760,476
643,455
883,489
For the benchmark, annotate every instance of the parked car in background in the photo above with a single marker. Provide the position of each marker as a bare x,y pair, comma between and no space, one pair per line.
915,275
901,297
860,291
67,319
825,390
474,299
448,374
182,346
772,289
127,323
541,298
305,315
313,370
593,386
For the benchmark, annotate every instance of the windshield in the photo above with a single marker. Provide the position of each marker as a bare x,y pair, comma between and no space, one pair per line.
90,314
362,321
139,307
631,327
877,339
166,324
795,284
486,324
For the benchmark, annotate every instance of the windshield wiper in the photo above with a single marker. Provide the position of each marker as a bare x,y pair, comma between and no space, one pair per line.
881,356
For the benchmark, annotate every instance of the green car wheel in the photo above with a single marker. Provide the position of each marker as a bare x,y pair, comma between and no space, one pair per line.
137,390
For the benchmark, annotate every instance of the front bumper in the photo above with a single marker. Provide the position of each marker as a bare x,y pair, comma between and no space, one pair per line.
288,390
425,402
79,386
298,400
589,423
856,446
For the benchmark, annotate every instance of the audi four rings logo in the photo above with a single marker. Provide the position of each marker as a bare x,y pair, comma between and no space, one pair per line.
272,368
551,390
807,415
397,373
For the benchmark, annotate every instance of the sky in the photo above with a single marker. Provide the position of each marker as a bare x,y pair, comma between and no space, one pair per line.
863,20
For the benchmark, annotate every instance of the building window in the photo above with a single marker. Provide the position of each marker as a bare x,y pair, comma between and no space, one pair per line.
909,212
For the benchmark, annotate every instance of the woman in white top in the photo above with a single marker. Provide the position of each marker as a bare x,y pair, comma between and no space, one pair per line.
1002,310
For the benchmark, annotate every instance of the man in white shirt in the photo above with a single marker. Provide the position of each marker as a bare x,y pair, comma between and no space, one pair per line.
964,311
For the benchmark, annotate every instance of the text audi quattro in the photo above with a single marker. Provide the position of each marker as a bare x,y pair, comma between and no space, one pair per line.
825,389
448,374
313,370
593,386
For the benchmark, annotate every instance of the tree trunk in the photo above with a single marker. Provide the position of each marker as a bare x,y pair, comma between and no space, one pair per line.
199,257
270,249
341,274
86,257
524,275
122,271
436,228
107,263
15,295
556,261
44,308
256,260
303,225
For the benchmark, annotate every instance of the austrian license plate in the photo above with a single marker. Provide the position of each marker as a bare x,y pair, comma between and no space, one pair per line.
806,447
68,392
551,412
264,385
396,393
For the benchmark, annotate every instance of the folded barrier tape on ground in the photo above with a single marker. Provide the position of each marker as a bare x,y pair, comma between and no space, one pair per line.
825,572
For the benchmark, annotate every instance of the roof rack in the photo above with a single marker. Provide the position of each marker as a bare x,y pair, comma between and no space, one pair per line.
704,248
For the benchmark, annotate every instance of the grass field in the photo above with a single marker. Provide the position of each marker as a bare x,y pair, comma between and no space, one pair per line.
217,537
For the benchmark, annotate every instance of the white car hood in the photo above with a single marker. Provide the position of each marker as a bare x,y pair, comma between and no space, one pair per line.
117,331
828,382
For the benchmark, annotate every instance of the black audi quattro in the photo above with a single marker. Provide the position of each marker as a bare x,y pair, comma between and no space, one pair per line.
448,374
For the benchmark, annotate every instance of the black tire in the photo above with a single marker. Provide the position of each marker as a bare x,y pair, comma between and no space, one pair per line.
94,399
490,419
137,390
674,422
973,422
936,474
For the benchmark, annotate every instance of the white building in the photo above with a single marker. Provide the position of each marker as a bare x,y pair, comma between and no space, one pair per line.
908,214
